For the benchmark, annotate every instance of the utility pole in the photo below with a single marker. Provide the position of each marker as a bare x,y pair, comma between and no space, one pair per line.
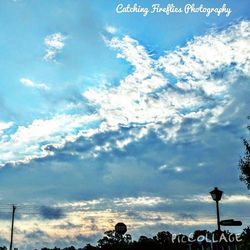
12,225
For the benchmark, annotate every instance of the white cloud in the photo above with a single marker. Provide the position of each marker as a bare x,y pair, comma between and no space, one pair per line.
236,199
148,98
145,201
4,126
167,168
29,83
129,102
111,29
54,44
194,65
199,198
227,199
102,203
32,142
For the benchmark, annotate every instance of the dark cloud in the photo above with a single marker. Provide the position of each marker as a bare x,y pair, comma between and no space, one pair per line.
38,234
187,216
3,242
87,239
68,225
5,215
51,213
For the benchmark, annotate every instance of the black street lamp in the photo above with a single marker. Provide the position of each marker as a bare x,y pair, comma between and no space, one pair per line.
216,196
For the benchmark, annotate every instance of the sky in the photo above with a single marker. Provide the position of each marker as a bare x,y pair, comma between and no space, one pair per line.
108,117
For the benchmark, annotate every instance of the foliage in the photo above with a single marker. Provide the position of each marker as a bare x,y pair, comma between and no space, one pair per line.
245,237
244,163
113,240
164,241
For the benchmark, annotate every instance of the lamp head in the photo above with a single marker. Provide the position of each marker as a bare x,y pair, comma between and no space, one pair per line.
216,194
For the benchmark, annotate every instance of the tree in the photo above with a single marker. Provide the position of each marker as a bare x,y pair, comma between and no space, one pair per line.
245,237
200,237
164,238
146,243
112,240
89,247
244,163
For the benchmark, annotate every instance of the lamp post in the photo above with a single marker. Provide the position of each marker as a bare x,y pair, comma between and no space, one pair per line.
120,230
216,196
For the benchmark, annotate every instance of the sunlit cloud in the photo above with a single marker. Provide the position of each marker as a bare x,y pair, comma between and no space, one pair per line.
36,140
234,199
54,44
29,83
91,218
147,99
167,168
4,126
111,29
141,201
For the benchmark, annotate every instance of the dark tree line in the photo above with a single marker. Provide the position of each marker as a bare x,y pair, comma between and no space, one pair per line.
162,241
245,162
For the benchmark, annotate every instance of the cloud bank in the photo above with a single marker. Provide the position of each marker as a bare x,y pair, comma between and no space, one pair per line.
176,96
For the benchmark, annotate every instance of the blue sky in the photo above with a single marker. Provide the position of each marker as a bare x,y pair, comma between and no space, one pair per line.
107,117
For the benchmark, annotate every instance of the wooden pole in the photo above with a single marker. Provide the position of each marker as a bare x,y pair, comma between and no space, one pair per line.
12,225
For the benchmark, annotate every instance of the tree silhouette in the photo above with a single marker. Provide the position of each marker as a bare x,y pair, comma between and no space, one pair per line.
89,247
113,240
146,243
245,237
244,163
200,237
200,240
163,238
